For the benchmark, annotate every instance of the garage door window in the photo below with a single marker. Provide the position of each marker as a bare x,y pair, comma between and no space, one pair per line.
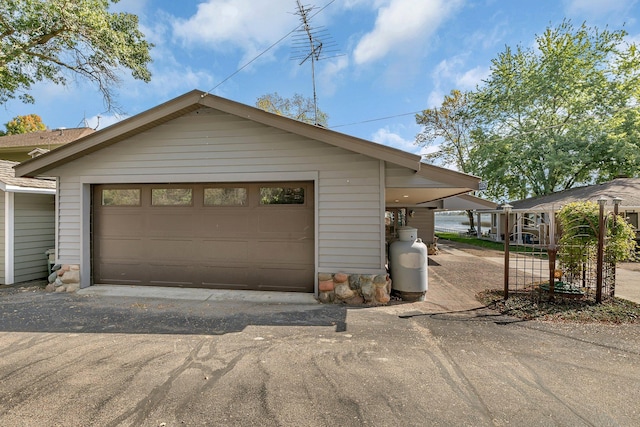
121,197
171,197
225,196
281,195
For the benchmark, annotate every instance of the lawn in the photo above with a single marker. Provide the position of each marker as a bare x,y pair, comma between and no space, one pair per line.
487,244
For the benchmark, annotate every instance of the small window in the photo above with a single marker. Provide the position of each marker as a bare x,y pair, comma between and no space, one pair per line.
281,195
171,196
225,196
632,218
121,197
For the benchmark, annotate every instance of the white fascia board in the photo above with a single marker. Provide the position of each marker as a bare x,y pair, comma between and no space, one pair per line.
30,190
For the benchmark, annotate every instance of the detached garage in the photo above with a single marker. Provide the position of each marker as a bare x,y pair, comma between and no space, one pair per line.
205,192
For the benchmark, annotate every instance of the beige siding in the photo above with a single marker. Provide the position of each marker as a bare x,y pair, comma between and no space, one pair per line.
424,220
34,234
209,146
69,219
3,252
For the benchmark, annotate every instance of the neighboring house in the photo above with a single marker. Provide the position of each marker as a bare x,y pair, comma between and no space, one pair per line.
27,225
202,191
21,147
531,218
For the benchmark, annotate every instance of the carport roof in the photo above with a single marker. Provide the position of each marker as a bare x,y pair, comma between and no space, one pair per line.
455,182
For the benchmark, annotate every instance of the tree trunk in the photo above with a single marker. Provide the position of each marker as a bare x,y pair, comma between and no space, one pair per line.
472,223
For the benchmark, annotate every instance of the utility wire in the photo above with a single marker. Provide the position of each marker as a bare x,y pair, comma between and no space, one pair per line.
266,50
376,120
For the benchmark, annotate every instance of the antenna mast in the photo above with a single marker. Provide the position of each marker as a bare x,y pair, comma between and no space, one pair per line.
308,45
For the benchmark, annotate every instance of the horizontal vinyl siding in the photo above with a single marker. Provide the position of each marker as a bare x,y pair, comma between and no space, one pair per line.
349,219
211,143
34,234
423,220
69,220
2,238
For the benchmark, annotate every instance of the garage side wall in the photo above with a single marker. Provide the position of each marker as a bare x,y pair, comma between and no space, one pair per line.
3,253
34,234
210,146
424,220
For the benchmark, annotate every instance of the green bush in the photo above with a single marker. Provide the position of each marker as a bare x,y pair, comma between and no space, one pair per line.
579,223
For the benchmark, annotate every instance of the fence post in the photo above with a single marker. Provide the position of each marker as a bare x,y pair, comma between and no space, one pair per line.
600,262
552,252
616,210
506,208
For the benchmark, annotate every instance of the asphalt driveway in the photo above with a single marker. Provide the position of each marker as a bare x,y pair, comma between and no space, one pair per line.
73,360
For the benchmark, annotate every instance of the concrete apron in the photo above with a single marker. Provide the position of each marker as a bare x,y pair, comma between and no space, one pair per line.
198,294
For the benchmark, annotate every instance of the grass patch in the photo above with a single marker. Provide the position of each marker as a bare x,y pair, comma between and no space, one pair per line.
525,306
469,240
487,244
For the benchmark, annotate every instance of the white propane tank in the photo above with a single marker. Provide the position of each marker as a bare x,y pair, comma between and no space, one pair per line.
408,265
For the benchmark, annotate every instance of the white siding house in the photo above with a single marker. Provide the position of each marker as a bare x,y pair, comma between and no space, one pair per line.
198,143
27,228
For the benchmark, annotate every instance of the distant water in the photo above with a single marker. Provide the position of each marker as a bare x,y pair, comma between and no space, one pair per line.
451,222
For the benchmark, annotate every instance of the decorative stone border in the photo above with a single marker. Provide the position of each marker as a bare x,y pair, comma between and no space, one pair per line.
64,278
354,289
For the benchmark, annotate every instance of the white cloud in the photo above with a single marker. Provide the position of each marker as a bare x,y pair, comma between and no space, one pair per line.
332,74
403,25
179,79
435,98
450,74
471,78
393,139
386,137
250,25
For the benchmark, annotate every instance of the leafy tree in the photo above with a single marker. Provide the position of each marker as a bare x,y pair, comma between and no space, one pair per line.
54,40
24,124
297,107
559,114
450,126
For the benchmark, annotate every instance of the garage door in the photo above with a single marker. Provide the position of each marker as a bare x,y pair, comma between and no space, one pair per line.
234,236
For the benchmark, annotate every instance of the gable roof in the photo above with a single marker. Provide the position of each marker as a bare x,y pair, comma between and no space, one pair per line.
626,188
9,182
195,100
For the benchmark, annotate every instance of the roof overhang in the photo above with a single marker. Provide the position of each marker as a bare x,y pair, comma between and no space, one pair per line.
430,183
467,202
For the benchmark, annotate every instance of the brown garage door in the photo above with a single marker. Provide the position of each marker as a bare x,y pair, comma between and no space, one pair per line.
232,236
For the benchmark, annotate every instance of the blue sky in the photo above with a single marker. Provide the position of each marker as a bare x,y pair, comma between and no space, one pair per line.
398,57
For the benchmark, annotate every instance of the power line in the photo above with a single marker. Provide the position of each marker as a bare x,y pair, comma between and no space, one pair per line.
376,120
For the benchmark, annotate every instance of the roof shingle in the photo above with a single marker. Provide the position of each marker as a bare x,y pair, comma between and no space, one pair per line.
44,138
626,188
8,177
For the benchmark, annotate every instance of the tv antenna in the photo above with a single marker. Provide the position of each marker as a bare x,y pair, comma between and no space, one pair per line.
311,44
